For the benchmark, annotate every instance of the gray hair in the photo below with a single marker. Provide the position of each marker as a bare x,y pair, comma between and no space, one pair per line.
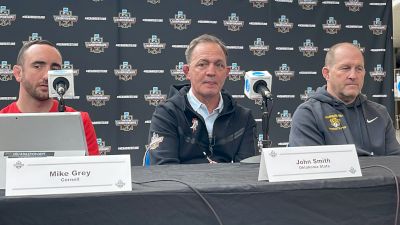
202,39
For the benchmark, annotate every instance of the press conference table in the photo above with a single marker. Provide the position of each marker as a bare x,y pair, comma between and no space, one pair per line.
232,190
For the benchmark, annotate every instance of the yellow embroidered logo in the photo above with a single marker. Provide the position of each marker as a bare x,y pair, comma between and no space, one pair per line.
335,122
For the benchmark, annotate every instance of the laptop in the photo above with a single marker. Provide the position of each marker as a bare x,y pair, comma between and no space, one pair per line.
40,135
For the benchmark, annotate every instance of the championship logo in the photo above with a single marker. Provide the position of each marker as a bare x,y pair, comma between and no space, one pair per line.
354,5
178,72
208,2
154,45
34,37
98,98
236,73
65,18
68,66
96,44
284,73
126,123
377,28
284,119
125,72
180,22
335,122
378,74
258,3
6,73
283,25
124,19
155,97
308,4
259,48
308,49
195,124
307,94
233,23
358,45
5,17
331,26
154,1
103,148
155,141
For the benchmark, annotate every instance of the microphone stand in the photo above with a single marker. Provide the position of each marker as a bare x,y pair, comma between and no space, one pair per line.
265,142
61,104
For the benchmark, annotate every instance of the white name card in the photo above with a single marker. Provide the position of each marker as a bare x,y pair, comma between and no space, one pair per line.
64,175
308,163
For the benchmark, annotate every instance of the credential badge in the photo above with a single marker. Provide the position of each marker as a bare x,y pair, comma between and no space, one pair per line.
5,17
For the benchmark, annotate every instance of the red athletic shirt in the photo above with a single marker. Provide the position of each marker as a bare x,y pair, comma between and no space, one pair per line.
91,139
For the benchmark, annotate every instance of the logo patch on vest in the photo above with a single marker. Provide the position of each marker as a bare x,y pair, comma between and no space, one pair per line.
155,142
335,122
195,123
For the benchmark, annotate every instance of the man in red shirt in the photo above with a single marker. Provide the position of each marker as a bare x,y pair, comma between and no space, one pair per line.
34,60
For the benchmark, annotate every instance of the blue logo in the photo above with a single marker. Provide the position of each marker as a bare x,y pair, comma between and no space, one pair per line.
247,85
258,74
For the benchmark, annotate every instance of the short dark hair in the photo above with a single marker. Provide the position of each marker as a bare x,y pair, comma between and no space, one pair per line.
202,39
20,57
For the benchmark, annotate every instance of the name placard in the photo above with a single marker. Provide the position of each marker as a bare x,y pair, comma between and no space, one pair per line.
64,175
308,163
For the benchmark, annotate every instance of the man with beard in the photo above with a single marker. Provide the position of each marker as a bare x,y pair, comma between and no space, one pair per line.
34,60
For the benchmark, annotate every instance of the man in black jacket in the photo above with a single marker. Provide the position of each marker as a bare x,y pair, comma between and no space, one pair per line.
200,122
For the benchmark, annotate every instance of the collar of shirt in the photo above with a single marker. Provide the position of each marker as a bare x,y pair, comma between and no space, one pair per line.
200,108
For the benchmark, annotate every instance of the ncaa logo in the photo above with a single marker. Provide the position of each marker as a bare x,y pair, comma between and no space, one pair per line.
284,73
259,48
235,74
6,73
377,28
155,97
258,3
331,26
358,45
178,72
103,148
284,119
68,66
98,98
33,37
308,49
124,19
283,25
308,4
126,123
96,44
125,72
208,2
354,5
65,18
180,22
154,45
5,17
378,74
233,23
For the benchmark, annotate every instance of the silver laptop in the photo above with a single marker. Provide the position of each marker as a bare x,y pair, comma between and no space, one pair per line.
40,135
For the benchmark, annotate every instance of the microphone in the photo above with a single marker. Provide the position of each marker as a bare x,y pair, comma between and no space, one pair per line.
257,84
61,85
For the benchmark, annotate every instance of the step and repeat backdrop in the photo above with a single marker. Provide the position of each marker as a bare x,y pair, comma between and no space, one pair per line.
125,54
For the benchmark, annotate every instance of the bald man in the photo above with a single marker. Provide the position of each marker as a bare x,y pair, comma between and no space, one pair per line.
338,113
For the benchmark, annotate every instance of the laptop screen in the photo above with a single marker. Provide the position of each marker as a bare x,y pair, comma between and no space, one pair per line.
40,135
